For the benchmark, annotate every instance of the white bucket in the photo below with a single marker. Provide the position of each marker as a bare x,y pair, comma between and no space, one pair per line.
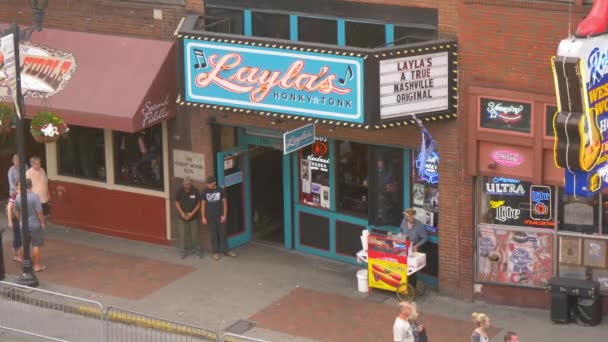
362,281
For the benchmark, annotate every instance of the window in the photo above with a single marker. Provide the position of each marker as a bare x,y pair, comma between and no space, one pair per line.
386,178
425,190
314,174
223,20
511,202
138,158
351,178
315,30
365,35
409,35
578,214
83,154
270,25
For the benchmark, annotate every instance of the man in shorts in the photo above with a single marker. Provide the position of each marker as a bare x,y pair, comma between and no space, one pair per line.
35,221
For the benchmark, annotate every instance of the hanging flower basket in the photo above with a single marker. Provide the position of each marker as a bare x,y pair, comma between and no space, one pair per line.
6,118
48,127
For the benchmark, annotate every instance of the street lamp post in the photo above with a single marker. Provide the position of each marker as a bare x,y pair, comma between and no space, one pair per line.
27,278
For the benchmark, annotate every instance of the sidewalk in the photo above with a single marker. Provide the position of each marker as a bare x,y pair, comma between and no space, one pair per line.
290,296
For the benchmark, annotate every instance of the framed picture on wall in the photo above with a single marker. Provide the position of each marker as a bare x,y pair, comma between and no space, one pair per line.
569,250
594,253
418,194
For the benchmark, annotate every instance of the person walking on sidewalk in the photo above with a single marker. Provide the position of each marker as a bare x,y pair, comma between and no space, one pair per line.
213,213
40,183
417,328
13,224
402,328
511,337
35,221
188,202
482,321
13,175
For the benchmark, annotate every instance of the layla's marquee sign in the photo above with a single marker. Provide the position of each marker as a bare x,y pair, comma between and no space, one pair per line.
414,85
44,71
274,80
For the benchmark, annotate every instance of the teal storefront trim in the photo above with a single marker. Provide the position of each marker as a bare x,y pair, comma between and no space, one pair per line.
248,23
341,32
389,31
293,27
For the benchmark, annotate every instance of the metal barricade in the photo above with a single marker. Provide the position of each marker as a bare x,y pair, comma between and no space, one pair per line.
50,315
125,325
229,337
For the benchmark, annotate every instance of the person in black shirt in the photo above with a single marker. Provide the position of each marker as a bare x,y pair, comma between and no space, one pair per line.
213,213
188,203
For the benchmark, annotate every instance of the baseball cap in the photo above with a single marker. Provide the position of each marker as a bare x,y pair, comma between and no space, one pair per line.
211,179
187,180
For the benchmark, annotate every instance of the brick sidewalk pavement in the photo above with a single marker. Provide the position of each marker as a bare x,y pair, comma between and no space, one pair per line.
334,318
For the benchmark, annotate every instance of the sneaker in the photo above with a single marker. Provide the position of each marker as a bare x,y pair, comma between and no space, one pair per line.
231,254
216,256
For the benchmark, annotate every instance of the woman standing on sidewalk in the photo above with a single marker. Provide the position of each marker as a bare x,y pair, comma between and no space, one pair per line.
480,334
13,224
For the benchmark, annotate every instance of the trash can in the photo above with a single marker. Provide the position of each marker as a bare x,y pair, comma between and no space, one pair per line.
588,311
561,308
575,300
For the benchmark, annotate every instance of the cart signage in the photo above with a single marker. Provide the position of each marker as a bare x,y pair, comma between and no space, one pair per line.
270,79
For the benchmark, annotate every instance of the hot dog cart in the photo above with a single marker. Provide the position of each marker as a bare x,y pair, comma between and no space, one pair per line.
389,262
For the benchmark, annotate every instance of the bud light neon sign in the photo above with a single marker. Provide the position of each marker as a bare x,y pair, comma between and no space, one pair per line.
275,80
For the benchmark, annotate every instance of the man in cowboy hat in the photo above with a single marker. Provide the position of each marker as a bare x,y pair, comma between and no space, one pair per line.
416,233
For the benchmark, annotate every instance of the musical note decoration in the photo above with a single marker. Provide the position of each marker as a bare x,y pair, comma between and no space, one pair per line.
348,74
201,59
578,138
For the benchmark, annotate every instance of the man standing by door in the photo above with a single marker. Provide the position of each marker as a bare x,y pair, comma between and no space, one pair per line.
213,213
40,183
187,202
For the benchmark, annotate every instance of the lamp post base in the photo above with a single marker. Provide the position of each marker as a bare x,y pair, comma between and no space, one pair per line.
28,278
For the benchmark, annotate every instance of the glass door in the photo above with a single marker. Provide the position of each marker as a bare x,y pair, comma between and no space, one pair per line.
233,175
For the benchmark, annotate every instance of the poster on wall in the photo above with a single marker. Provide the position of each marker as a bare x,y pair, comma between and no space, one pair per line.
570,250
305,170
594,253
515,203
514,257
419,194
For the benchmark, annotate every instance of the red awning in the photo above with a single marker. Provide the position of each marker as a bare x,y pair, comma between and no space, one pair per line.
116,82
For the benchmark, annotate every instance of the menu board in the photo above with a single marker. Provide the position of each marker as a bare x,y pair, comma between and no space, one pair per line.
507,201
514,257
569,250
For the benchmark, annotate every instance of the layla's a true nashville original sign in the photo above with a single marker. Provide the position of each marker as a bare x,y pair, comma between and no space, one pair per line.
414,85
275,80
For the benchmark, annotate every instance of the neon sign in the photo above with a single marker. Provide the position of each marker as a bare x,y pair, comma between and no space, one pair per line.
276,80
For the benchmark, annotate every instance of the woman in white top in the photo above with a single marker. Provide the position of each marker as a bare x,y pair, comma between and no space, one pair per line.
480,333
402,329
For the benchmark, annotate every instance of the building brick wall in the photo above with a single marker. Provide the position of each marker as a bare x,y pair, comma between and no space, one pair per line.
504,44
101,16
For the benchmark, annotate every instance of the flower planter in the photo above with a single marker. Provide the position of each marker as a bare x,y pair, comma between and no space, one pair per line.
44,139
48,127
